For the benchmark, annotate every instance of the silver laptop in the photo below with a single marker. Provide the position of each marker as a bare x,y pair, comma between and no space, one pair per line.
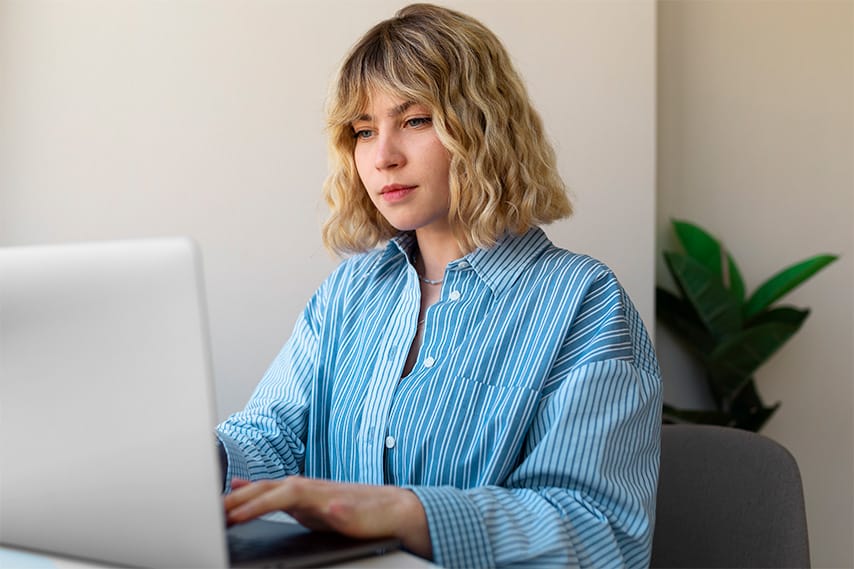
107,450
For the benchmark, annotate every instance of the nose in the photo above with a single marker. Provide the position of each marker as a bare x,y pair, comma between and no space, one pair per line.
389,153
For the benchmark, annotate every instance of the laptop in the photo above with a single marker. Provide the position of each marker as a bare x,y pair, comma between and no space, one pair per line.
107,447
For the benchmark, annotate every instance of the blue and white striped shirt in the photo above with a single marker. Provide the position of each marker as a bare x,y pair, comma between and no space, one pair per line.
528,427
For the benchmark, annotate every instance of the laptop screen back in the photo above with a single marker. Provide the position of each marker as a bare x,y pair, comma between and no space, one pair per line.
106,405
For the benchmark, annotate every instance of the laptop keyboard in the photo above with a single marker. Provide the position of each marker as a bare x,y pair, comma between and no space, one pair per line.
264,543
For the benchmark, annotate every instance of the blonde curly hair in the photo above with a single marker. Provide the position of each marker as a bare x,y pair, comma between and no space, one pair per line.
503,172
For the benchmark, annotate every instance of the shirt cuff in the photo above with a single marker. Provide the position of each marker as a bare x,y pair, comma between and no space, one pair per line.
238,467
457,529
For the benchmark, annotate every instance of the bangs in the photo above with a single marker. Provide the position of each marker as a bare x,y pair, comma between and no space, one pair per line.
387,60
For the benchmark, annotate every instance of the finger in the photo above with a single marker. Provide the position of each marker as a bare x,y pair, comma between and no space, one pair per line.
239,483
245,492
259,499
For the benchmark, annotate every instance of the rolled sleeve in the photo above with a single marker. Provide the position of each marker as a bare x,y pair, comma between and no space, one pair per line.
457,528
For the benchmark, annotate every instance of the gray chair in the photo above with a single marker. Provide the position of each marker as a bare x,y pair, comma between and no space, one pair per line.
727,498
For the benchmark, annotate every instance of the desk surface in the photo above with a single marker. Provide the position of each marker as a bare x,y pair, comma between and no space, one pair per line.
18,559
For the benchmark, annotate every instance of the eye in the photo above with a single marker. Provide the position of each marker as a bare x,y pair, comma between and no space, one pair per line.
419,122
362,133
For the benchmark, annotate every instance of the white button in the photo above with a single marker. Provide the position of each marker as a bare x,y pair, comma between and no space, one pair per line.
463,264
389,442
429,361
455,295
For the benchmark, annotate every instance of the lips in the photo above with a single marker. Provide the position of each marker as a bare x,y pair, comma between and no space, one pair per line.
396,192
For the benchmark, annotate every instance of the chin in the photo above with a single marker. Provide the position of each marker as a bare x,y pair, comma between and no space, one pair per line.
402,224
415,220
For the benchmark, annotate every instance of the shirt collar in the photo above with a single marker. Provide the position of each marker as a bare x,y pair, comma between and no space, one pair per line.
401,244
498,266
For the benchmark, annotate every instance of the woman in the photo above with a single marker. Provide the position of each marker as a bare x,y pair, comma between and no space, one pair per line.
486,397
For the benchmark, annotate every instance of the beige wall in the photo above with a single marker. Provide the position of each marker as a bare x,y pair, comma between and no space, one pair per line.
755,143
138,118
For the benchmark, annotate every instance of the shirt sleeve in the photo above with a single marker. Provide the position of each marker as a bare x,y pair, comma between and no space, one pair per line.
267,438
583,493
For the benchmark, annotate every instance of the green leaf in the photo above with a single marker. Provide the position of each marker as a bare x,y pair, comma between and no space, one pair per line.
717,309
756,419
672,415
784,281
747,412
679,317
734,361
700,245
708,251
736,283
747,409
783,314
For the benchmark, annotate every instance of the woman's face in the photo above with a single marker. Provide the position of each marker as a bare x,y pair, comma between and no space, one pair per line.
402,164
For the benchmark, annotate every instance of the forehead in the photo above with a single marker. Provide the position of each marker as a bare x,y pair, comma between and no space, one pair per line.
379,102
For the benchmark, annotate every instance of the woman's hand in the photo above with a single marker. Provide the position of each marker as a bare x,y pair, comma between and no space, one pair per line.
356,510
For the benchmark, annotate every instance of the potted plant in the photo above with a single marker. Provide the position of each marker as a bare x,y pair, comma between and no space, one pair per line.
729,333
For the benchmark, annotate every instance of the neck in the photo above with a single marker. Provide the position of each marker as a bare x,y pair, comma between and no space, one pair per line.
435,252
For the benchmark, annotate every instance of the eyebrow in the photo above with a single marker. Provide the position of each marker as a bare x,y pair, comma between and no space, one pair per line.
394,112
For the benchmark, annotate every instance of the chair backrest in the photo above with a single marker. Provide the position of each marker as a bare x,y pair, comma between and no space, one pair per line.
727,498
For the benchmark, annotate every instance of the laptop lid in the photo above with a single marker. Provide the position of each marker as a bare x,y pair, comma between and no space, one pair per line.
106,405
107,448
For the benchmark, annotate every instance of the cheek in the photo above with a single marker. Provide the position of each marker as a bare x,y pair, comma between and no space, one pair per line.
439,156
442,163
361,159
